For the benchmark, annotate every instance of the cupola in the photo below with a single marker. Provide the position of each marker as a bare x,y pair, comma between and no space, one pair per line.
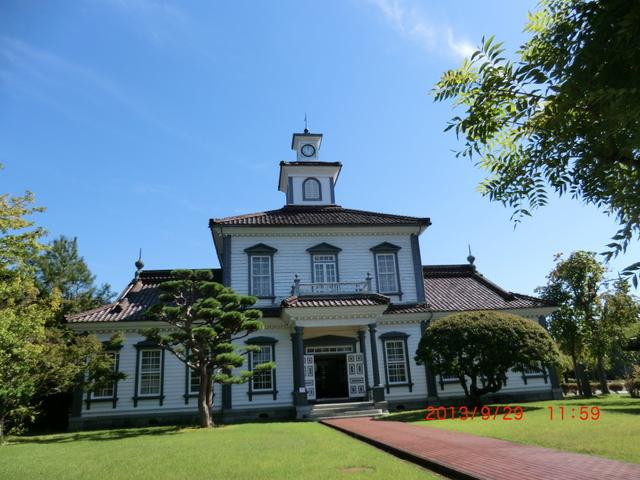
308,181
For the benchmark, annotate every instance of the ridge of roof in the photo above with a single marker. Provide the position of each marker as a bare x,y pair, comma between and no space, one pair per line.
310,163
466,270
317,215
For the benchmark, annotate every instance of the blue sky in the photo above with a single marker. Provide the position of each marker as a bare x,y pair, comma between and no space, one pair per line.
136,121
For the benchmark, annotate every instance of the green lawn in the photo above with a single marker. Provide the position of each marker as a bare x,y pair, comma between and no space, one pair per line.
248,451
615,435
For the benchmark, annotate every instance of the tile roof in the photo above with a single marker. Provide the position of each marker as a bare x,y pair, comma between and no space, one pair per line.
318,215
448,288
134,301
362,300
453,288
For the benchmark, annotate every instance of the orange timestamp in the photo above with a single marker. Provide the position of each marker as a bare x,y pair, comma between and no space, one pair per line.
498,412
562,412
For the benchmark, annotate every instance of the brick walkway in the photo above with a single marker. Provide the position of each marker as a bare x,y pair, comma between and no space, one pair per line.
460,455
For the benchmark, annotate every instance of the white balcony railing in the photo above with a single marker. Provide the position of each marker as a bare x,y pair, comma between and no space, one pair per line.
300,289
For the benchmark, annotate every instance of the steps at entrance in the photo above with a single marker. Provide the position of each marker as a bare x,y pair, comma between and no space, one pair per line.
345,410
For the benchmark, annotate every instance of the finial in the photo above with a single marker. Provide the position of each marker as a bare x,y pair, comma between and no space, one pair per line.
471,258
139,265
306,130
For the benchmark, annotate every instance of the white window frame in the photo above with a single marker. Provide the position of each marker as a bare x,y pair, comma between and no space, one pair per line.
393,273
324,260
193,377
95,394
155,371
268,276
402,362
266,347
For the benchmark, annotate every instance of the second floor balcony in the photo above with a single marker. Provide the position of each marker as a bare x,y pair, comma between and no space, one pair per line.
300,289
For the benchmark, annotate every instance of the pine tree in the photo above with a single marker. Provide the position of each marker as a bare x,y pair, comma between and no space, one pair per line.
206,319
36,358
62,268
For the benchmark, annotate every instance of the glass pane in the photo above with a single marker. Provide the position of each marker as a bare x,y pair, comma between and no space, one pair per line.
319,273
194,384
311,189
330,272
262,380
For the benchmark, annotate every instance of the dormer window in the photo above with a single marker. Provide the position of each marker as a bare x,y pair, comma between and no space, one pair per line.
311,189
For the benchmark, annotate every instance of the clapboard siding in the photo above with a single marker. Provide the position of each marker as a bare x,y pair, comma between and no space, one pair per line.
174,386
418,376
354,261
515,383
283,372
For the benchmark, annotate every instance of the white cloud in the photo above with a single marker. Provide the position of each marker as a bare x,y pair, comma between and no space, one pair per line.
461,47
413,24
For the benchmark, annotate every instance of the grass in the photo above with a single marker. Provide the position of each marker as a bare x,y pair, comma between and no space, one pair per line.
247,451
615,435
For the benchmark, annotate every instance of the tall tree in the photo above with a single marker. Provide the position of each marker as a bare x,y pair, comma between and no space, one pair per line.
561,118
206,318
574,286
34,359
620,313
62,268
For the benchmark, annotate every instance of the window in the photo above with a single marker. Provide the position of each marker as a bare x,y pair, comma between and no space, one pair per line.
108,391
396,361
387,272
262,383
261,270
194,382
324,269
262,380
311,189
150,372
261,275
329,349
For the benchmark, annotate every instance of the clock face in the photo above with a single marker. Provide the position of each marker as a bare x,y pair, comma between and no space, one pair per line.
308,150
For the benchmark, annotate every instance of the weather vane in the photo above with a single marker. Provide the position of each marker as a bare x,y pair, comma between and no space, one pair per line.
305,122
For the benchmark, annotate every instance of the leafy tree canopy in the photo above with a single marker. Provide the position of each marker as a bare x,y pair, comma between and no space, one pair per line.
562,117
480,347
206,319
590,321
35,360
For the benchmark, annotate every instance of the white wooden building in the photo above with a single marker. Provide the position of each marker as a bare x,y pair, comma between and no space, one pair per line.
345,299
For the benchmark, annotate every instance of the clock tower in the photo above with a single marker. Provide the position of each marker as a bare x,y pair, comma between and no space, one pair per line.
308,181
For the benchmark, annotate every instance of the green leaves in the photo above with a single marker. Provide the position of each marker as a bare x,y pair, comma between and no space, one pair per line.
475,345
206,319
562,118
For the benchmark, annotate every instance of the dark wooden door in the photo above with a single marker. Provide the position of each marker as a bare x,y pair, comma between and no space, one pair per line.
331,376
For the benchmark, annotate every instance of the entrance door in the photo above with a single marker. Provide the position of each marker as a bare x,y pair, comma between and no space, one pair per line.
331,376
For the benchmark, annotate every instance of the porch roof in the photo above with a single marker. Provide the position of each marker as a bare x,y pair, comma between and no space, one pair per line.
358,300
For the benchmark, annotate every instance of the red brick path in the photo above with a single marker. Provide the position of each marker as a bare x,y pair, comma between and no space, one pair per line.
460,455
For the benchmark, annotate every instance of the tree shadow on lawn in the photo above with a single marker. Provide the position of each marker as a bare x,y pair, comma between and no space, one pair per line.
419,415
98,435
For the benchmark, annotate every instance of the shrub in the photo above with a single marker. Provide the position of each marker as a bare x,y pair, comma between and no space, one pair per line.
482,347
616,387
632,384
